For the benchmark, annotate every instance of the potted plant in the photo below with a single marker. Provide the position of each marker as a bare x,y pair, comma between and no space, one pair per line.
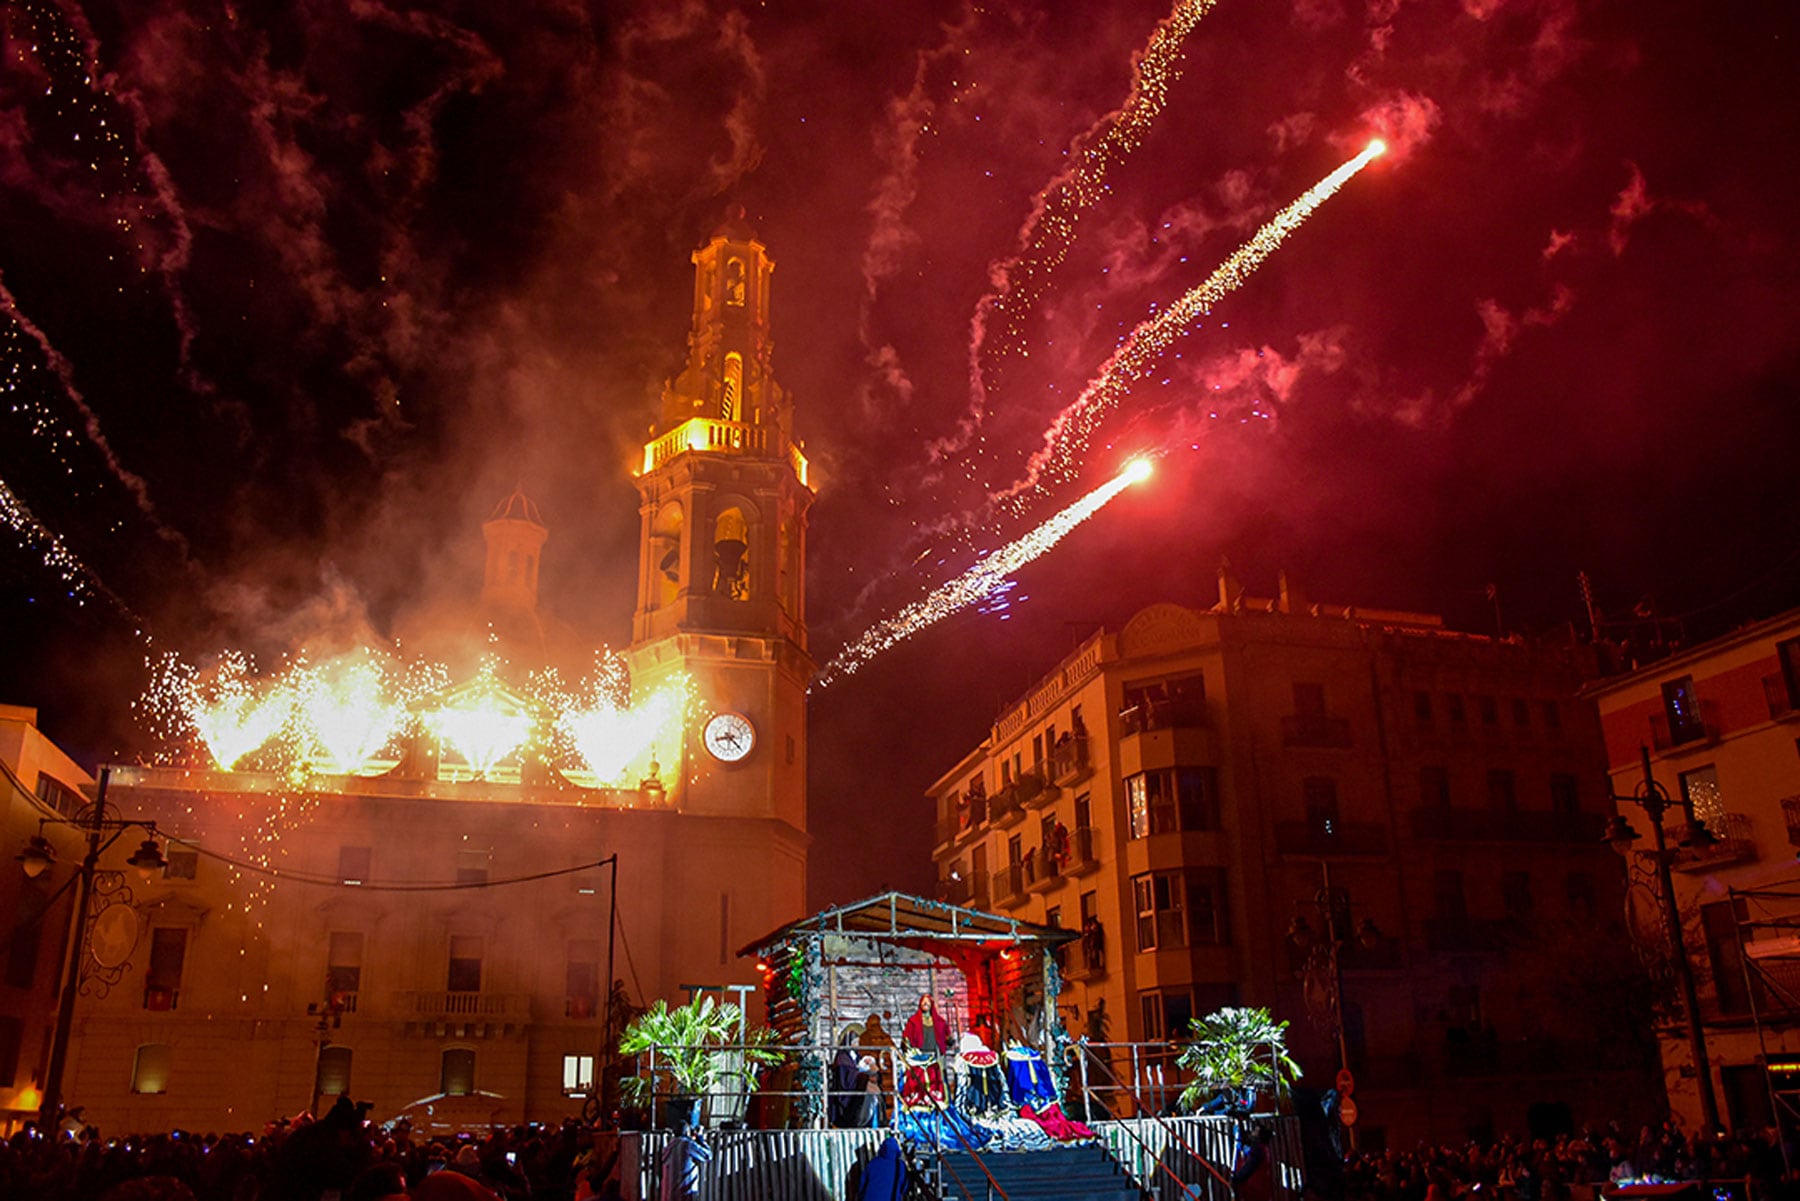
691,1050
1235,1054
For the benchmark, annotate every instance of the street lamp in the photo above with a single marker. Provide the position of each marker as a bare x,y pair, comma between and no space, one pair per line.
1654,800
1322,974
34,861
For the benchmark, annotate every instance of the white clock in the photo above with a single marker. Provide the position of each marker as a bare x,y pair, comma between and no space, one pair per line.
729,736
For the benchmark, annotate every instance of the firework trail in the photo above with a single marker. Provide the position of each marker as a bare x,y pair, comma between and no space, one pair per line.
68,50
978,581
90,420
1067,437
79,579
1017,283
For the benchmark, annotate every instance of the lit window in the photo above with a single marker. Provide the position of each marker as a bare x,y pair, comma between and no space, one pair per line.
578,1075
150,1069
458,1076
1700,789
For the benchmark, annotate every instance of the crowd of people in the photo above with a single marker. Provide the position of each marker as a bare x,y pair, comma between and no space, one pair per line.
337,1155
343,1156
1572,1167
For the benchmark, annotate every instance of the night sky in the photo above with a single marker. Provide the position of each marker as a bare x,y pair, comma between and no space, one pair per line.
295,293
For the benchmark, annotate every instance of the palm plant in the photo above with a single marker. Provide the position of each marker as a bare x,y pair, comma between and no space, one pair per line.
1236,1051
695,1047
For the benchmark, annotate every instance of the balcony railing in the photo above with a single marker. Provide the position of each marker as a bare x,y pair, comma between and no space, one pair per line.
1735,845
1042,872
1666,736
161,998
957,890
948,828
465,1004
1084,851
1148,715
1443,824
1006,807
1009,886
1082,962
1068,761
1324,839
1315,730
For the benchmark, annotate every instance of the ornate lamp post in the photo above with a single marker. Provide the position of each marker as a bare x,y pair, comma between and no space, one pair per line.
1654,800
1321,969
34,861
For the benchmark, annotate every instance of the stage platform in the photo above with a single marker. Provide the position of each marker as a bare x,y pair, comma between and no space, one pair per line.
815,1165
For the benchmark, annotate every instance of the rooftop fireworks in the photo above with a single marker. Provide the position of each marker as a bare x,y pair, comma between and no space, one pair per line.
362,712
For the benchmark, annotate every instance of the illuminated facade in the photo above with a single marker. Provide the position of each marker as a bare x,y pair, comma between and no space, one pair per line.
246,995
1179,789
1721,724
37,781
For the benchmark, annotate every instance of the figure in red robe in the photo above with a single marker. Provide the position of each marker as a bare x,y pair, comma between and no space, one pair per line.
927,1038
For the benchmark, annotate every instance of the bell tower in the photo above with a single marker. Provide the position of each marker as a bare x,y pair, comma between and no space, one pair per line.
721,570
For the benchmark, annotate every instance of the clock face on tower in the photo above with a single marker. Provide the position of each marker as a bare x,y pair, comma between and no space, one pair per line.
729,736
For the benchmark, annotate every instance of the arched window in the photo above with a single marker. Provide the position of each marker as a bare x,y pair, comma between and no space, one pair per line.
731,393
731,556
734,282
458,1076
512,566
664,584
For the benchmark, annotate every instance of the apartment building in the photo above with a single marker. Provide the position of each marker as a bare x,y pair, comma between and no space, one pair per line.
1225,799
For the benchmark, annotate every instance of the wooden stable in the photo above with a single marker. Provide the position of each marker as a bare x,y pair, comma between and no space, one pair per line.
863,967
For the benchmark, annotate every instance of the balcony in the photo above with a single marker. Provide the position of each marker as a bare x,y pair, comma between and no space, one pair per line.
1081,962
1007,807
1084,851
1438,823
1009,886
1321,840
957,891
1068,761
720,437
1781,698
1466,935
1186,713
947,829
514,1006
1034,791
161,999
1668,736
1734,845
1042,872
1315,730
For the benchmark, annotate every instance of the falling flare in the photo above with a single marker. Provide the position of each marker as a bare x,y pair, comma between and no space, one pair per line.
978,581
1067,438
